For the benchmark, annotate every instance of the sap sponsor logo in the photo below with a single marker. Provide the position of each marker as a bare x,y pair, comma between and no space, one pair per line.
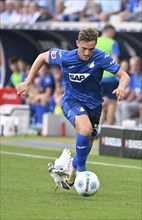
78,77
53,54
134,144
111,141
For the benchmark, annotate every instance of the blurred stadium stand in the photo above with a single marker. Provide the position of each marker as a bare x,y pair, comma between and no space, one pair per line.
28,41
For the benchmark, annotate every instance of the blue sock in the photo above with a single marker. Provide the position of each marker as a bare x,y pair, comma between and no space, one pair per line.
82,151
74,162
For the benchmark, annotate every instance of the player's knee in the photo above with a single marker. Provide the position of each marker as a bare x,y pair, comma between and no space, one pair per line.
86,131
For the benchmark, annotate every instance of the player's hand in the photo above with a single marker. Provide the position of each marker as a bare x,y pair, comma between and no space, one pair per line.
120,93
23,88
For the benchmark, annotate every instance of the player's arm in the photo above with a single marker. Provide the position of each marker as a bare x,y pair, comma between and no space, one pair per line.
123,83
42,58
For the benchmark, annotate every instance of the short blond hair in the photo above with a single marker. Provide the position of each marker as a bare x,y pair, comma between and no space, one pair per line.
88,34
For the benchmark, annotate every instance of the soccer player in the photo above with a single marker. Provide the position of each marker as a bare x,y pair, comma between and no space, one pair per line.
82,101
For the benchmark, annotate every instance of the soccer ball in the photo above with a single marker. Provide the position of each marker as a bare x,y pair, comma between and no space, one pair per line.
86,183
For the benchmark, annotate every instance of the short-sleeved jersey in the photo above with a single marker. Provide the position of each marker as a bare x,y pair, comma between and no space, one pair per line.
83,78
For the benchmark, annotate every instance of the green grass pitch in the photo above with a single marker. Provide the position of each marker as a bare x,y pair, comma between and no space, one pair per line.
27,189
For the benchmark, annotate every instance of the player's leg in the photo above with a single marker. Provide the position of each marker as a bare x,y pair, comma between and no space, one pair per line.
71,109
70,180
78,116
92,125
84,129
94,135
84,120
87,126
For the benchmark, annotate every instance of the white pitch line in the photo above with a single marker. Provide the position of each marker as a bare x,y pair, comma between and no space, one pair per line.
53,158
27,155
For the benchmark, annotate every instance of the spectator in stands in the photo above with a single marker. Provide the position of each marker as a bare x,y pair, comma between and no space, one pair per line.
133,11
16,75
40,94
45,84
34,13
59,90
59,9
70,10
135,70
10,14
130,107
24,15
108,10
18,8
2,7
125,65
52,6
107,43
45,14
22,66
105,11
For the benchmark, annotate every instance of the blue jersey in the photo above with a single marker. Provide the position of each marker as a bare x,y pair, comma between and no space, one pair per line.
83,78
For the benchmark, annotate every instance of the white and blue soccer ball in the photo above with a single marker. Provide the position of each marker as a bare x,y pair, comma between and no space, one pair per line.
87,183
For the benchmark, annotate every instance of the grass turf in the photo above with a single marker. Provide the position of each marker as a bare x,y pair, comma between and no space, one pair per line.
27,188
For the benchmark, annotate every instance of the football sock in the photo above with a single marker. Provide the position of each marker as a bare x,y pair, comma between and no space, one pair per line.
82,151
74,161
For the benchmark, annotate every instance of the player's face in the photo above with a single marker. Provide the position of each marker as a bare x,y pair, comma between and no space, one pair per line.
85,49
